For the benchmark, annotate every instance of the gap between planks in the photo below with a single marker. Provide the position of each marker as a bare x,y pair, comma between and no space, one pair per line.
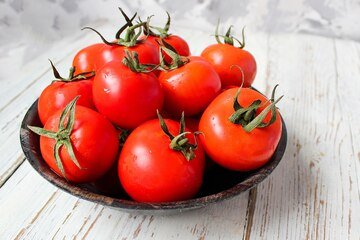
6,176
250,213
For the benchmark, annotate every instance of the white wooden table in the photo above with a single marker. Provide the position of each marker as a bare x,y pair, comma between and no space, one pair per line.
313,194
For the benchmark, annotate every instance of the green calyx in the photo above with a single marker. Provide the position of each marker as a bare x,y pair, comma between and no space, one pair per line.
131,60
228,38
162,32
180,142
132,32
177,60
247,118
62,136
72,77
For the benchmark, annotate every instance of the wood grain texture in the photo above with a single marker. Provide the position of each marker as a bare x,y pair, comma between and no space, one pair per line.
313,194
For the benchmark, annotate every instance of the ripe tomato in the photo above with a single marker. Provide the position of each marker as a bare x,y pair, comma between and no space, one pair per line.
84,60
223,56
190,88
60,92
115,50
235,145
178,43
127,98
150,171
148,54
87,149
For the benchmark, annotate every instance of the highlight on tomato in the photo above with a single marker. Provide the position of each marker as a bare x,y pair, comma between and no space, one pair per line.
129,41
63,90
241,129
224,55
189,83
154,33
78,143
127,92
161,161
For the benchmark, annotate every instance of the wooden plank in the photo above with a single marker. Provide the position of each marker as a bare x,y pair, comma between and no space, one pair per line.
314,193
32,208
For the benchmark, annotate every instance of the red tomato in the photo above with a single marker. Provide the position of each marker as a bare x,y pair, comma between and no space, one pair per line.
228,144
62,91
190,88
58,94
150,171
224,56
94,142
127,98
148,54
178,43
84,60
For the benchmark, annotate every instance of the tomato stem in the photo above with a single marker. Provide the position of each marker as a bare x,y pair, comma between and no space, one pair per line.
228,38
177,60
246,117
162,32
131,60
128,23
180,142
62,136
72,77
131,36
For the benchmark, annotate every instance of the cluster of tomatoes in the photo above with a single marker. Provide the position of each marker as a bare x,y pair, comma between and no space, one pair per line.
142,105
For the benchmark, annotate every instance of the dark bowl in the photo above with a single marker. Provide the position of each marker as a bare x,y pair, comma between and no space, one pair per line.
219,183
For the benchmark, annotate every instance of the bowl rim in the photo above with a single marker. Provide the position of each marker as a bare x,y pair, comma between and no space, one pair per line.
44,170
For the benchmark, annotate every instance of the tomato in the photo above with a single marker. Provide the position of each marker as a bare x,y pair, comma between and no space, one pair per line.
224,56
178,43
150,171
148,54
235,146
127,98
84,60
60,92
115,50
92,138
190,88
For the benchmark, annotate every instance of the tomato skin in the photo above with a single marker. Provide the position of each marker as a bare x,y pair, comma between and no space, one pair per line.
150,171
125,97
190,88
84,60
94,141
148,54
228,144
58,94
224,56
178,43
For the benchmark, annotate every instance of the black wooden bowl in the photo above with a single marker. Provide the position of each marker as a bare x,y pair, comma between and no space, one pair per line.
219,184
